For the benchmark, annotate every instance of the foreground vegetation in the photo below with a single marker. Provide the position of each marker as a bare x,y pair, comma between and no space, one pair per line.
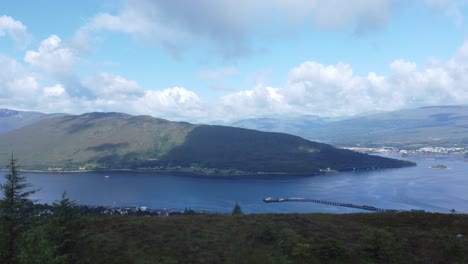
29,234
288,238
279,238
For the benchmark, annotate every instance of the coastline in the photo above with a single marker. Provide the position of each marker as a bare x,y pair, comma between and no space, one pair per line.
198,173
173,172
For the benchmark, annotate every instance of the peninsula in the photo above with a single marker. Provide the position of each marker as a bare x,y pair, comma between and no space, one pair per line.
115,141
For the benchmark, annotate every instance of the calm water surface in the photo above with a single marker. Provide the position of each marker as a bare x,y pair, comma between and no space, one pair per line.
408,188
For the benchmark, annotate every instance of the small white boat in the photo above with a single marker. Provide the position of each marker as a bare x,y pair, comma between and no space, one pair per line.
106,177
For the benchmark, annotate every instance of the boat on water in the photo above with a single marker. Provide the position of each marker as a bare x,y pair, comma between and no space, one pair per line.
107,177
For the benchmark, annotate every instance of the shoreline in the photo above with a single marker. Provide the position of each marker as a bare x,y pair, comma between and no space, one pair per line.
173,172
195,173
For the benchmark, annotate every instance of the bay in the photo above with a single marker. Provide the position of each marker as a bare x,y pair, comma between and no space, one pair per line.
420,188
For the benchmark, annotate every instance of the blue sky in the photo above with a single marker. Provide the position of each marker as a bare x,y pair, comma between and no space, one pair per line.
207,60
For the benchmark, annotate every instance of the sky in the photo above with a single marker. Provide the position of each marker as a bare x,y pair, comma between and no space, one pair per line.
207,60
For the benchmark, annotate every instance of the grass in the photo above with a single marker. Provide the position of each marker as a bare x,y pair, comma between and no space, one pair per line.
277,238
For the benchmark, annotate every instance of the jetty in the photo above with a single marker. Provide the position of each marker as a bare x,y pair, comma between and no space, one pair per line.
363,207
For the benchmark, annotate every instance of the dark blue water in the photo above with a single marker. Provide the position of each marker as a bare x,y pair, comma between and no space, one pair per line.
408,188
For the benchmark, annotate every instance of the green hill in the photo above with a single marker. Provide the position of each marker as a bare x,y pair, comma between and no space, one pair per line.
255,151
93,140
121,141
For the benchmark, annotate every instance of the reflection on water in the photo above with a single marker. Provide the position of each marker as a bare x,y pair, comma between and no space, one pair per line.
417,187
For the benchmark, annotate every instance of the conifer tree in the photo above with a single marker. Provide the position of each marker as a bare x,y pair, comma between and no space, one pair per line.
15,212
52,240
237,209
65,224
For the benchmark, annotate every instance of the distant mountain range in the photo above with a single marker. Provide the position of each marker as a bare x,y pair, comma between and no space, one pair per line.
12,119
290,125
121,141
409,128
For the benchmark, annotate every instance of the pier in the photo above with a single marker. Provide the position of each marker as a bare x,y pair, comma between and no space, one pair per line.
363,207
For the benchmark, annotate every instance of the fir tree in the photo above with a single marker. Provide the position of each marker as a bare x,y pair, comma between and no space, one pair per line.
16,211
65,223
53,239
237,209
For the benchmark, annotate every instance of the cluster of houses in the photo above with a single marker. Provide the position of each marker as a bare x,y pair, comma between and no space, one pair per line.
424,150
45,210
140,211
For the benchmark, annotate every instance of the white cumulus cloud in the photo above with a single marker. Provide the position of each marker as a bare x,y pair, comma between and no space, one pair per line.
259,101
177,103
14,29
334,90
51,56
54,91
18,85
22,89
